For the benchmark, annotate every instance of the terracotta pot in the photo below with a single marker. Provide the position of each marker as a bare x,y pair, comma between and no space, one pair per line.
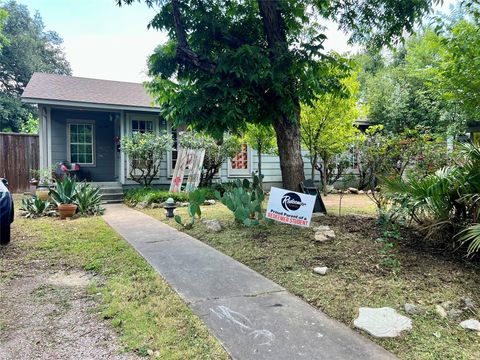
66,210
42,193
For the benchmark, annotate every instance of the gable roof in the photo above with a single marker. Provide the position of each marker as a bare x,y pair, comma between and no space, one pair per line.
78,91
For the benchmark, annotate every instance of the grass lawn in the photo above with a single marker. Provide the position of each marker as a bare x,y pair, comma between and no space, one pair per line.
366,271
148,315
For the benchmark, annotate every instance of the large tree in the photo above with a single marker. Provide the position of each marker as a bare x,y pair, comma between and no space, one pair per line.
228,63
28,48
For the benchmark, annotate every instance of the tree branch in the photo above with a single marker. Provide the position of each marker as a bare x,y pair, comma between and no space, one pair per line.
184,54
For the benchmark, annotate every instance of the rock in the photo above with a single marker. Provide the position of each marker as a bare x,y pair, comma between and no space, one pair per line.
440,311
353,190
369,192
471,324
182,204
209,202
361,192
467,303
322,270
321,228
447,305
156,206
454,313
142,205
212,225
382,322
413,309
323,233
320,237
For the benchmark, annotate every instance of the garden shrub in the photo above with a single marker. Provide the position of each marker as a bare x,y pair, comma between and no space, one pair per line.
445,204
135,196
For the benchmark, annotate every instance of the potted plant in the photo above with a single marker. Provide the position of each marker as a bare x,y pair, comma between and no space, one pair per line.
43,186
34,176
65,196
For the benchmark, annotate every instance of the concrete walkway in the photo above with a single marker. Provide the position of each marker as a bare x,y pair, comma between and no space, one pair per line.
253,317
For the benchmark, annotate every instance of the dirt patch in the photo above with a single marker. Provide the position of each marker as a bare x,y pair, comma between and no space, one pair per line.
47,313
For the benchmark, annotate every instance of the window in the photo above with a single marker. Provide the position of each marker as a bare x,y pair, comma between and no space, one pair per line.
175,148
81,143
240,164
142,126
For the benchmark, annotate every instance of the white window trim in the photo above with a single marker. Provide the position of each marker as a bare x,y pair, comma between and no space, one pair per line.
142,117
241,172
94,153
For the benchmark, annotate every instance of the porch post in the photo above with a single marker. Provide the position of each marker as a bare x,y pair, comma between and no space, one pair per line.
49,137
43,136
123,132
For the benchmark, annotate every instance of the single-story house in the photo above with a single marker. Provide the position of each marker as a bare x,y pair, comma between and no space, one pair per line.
82,121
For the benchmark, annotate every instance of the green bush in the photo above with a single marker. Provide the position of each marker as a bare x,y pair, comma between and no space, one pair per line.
445,204
135,196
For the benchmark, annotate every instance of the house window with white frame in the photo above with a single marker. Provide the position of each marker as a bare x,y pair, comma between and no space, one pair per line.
142,126
81,143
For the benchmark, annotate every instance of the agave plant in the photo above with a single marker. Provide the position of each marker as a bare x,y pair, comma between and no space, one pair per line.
88,199
66,191
34,207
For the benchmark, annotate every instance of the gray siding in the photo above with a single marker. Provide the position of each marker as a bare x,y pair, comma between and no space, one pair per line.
104,168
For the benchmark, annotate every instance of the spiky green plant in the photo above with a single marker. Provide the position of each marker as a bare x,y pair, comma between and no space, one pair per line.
245,200
88,199
33,207
445,203
66,191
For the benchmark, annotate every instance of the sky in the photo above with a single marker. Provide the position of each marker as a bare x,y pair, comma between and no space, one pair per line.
104,41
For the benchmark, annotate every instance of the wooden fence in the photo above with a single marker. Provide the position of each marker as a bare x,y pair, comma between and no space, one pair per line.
19,154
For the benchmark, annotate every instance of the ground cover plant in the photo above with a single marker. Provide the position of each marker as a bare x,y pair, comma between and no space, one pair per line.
371,264
150,318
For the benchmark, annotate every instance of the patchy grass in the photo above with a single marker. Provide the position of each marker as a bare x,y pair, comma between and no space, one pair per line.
149,316
370,267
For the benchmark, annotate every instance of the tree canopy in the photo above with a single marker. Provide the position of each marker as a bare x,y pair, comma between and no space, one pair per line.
228,63
27,48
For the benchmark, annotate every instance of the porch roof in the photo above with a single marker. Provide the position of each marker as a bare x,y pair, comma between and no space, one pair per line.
65,90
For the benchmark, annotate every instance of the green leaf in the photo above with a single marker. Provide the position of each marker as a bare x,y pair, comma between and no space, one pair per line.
178,219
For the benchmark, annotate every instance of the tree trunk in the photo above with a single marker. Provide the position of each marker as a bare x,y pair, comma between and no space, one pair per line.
313,162
289,151
260,177
325,177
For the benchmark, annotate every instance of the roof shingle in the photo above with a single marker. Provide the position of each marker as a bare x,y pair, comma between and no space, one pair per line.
61,88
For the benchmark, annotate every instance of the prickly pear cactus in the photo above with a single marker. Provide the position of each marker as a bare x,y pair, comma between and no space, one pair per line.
245,200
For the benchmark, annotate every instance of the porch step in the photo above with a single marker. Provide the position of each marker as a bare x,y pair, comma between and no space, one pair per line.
112,192
112,198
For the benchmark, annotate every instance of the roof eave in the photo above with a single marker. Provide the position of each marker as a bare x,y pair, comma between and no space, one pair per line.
30,100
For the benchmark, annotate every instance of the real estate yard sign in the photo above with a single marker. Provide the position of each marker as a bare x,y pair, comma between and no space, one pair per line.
290,207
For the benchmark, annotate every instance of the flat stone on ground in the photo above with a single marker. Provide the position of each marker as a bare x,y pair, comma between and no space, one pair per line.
471,324
382,322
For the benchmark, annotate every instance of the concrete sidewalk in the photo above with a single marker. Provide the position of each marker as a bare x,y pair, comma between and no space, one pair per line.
253,317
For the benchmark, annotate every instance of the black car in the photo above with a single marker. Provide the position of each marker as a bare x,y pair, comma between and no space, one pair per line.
6,212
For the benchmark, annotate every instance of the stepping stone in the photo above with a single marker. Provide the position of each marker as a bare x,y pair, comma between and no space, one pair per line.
382,322
471,324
